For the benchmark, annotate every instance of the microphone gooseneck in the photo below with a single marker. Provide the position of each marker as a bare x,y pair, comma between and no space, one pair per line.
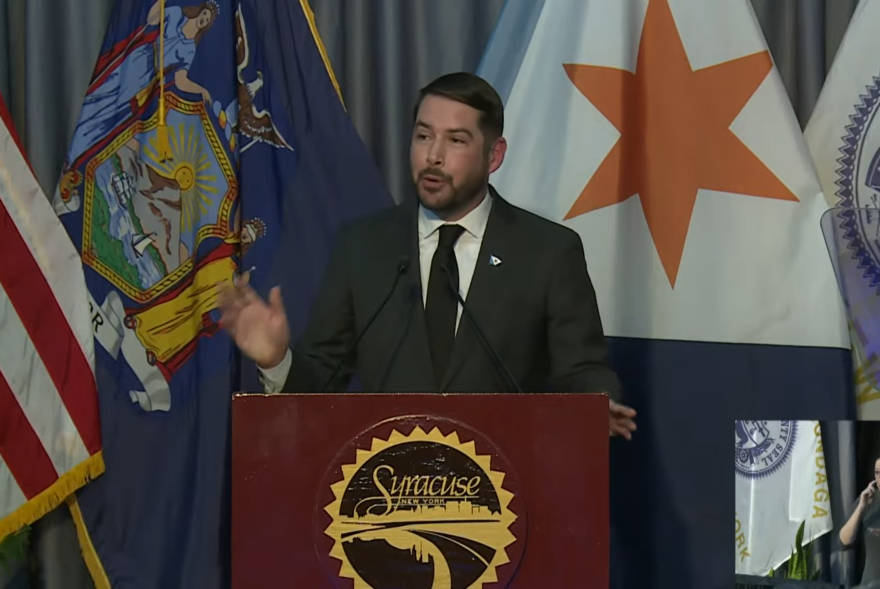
413,297
496,360
402,268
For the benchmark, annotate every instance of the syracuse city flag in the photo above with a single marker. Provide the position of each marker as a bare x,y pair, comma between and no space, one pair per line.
50,438
845,145
774,496
660,131
212,141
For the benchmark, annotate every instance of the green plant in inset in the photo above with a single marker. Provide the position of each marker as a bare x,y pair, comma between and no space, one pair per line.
799,562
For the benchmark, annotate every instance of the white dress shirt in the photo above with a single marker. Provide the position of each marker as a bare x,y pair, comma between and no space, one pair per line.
467,247
467,251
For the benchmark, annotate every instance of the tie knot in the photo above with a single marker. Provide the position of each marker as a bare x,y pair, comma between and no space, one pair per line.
449,234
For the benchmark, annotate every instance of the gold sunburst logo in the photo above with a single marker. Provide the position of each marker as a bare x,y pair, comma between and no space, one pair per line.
420,510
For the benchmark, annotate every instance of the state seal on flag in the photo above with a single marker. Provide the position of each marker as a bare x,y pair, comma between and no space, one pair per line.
858,181
762,447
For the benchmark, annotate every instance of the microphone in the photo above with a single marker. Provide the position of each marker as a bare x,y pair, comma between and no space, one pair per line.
402,267
496,360
414,296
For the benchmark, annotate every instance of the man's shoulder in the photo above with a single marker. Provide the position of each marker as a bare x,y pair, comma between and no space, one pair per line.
540,230
377,223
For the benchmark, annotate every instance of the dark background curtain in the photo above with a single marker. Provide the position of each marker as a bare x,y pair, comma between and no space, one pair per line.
382,51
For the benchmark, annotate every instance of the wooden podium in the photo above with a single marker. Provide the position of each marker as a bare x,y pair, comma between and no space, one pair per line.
420,491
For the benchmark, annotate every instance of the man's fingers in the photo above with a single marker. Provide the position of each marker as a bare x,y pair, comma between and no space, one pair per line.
229,320
228,303
627,424
225,293
237,294
621,420
242,285
228,292
248,294
622,427
275,300
621,410
232,300
621,431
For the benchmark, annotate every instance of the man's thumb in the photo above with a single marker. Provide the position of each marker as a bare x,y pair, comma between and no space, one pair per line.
275,299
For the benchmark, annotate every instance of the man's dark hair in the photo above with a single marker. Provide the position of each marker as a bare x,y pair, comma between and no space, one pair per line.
473,91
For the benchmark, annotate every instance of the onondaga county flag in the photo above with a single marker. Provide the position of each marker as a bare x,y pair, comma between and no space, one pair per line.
781,481
661,132
212,141
845,145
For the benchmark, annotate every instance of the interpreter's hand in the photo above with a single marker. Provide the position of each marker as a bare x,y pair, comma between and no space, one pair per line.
620,420
867,495
260,330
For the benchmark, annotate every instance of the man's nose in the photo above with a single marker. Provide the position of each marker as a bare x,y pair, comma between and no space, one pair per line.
435,155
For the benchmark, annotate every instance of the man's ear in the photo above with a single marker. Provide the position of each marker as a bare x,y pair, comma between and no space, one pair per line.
497,153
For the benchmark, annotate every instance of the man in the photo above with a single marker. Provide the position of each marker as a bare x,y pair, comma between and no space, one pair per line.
866,516
524,280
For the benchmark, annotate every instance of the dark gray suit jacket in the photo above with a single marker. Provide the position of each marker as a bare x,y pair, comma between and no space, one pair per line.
537,309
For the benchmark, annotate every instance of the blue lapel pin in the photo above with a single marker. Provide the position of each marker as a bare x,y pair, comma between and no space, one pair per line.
494,261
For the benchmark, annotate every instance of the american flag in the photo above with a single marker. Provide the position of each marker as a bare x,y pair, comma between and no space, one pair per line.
50,437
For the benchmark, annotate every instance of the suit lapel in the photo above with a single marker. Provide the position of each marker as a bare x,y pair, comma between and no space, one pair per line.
488,280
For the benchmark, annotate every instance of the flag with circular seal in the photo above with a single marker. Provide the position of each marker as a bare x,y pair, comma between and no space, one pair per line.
212,142
843,136
781,481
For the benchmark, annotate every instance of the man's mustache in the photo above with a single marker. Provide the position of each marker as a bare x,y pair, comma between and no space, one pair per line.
435,173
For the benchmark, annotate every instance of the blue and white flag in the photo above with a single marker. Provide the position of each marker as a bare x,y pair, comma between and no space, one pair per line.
661,132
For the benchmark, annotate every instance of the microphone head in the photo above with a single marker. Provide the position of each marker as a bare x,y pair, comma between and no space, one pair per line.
403,264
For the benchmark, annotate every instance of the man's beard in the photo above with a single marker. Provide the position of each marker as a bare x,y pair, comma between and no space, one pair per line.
458,197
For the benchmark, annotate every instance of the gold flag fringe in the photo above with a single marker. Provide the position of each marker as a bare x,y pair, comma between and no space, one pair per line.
90,555
64,488
68,483
310,16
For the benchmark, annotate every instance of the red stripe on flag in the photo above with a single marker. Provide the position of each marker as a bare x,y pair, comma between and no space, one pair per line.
21,449
52,337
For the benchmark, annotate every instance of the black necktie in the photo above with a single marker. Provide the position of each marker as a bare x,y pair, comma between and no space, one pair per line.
442,305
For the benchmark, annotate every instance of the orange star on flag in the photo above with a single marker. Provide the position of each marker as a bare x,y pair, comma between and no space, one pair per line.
675,136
